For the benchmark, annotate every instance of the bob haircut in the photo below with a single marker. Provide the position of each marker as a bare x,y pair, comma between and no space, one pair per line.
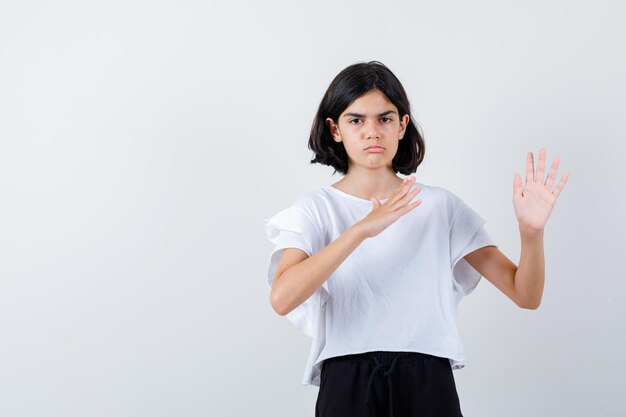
349,85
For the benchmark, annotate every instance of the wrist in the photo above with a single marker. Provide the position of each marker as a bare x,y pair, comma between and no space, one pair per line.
358,231
530,232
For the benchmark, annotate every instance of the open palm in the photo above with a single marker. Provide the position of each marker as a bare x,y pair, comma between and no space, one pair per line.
534,204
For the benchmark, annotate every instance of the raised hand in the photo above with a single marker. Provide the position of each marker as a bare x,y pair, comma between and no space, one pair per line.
382,215
534,204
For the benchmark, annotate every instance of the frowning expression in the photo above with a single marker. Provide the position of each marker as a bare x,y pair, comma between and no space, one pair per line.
370,128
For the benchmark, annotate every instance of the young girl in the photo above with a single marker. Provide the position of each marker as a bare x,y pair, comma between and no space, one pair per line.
374,274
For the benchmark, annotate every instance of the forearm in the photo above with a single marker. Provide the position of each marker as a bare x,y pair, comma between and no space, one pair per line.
300,281
530,274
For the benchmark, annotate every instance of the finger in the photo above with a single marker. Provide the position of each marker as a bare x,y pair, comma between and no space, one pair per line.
561,184
403,185
408,197
530,169
409,207
552,173
404,188
517,185
541,166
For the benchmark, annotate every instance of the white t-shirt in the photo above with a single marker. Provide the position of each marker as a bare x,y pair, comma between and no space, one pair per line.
397,291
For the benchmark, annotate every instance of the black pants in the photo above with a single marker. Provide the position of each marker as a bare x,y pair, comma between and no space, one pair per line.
387,384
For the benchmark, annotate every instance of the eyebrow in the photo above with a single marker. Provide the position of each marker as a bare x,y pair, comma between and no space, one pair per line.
362,115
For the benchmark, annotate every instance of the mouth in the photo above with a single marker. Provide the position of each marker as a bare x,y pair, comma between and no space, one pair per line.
374,147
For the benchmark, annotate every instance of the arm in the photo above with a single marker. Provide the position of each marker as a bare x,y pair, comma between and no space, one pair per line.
530,274
524,283
298,276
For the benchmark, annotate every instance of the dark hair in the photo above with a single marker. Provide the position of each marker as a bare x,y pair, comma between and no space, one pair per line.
350,84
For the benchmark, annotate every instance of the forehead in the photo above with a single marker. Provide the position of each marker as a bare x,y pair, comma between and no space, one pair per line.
373,102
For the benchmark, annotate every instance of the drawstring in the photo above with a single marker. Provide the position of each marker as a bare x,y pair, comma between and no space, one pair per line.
387,374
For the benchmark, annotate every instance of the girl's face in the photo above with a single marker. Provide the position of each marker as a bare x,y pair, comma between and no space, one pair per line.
371,120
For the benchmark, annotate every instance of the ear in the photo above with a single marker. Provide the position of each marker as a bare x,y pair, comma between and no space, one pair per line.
334,129
404,122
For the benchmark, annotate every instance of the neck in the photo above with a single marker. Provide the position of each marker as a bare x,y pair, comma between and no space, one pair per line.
365,183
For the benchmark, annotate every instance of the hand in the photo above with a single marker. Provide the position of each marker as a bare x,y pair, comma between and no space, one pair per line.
382,215
534,205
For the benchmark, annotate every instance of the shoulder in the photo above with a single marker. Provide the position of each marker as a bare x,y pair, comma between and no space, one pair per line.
313,203
304,212
438,193
445,199
297,217
441,192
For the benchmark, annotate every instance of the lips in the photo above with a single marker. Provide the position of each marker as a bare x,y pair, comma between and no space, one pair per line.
375,149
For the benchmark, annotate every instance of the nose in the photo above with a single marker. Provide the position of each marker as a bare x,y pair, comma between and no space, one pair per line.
371,130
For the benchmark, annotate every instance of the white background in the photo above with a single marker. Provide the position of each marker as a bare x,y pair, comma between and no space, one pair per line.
144,142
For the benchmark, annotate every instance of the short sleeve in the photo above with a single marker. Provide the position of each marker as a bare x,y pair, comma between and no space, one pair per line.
293,227
467,233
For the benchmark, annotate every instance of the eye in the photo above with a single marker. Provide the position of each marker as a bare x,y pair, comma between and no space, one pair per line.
353,120
387,118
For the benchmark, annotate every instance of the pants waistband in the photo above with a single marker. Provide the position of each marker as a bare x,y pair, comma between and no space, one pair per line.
383,356
384,366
